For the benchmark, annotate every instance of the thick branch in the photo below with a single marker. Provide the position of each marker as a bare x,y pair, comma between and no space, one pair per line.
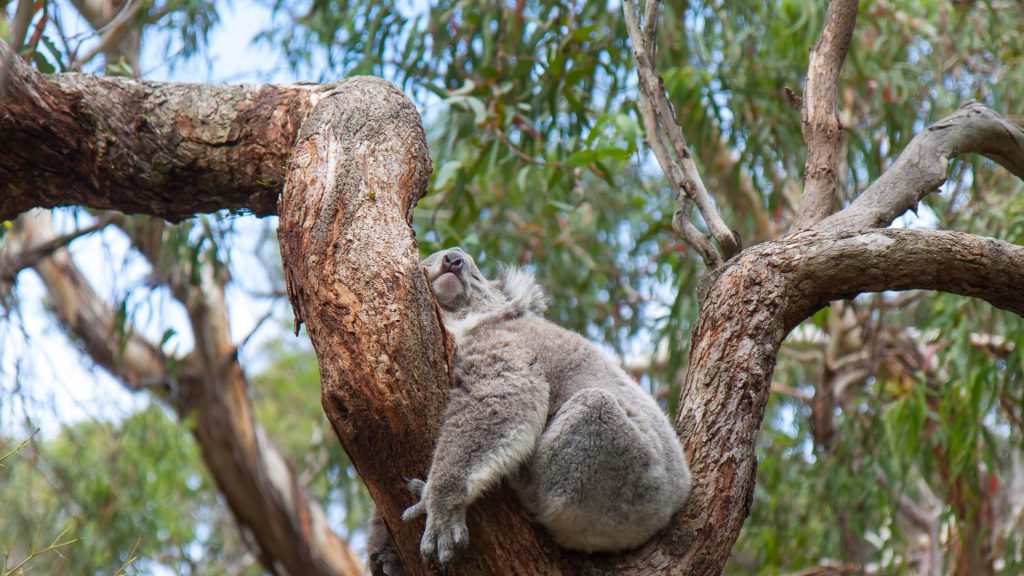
821,129
921,168
290,530
165,149
750,306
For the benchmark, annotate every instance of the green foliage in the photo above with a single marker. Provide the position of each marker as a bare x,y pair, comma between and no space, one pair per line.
132,496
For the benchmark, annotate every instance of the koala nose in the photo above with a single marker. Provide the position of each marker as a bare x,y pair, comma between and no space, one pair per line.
452,262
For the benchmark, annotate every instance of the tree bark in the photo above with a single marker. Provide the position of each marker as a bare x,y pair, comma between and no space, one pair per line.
921,168
822,130
171,150
360,165
356,173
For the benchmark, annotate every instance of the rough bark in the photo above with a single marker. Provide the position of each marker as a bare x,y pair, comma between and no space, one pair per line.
171,150
290,531
360,166
353,275
356,173
822,130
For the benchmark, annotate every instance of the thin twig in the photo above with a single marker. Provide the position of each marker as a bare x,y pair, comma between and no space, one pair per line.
523,155
12,264
112,32
37,33
659,122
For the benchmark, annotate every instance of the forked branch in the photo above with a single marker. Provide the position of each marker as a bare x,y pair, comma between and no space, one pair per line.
675,157
750,307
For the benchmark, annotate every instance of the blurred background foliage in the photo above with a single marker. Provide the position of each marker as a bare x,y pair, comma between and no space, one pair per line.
894,437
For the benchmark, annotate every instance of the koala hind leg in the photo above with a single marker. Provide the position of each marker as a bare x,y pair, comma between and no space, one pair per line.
597,481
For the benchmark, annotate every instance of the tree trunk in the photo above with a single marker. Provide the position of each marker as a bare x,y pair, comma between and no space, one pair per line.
352,267
360,166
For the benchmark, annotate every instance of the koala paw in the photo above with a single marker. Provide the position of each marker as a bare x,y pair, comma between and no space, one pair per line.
446,531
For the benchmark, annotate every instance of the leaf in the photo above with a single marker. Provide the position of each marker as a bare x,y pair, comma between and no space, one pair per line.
446,173
42,63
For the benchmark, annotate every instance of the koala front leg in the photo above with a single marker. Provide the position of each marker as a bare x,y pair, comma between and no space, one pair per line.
495,414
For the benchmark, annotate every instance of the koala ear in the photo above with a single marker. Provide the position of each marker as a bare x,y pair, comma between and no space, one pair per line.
523,292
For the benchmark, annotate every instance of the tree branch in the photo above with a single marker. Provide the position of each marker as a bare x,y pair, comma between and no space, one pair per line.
922,166
112,32
354,277
129,357
14,261
679,168
290,529
171,150
747,310
22,18
820,123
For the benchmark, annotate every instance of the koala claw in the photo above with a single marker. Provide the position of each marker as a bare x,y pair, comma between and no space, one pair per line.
418,509
416,486
446,531
444,537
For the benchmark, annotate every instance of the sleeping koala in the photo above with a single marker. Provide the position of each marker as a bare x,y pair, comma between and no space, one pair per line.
588,452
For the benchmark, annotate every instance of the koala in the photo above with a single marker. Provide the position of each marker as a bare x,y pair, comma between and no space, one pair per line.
589,453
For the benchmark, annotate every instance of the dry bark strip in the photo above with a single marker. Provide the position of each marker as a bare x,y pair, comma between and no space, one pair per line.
171,150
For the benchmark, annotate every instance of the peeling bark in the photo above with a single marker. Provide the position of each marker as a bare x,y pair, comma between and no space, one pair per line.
171,150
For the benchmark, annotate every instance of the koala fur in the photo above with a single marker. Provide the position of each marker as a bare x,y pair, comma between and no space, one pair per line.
589,453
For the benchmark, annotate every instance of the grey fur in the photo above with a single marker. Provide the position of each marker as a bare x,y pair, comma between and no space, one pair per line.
589,453
382,556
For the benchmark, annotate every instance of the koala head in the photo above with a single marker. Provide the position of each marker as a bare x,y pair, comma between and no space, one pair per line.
461,290
457,283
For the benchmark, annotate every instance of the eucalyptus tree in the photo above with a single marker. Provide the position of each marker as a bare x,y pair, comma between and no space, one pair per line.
903,412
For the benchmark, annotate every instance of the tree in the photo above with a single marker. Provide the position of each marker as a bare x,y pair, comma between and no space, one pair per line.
360,165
